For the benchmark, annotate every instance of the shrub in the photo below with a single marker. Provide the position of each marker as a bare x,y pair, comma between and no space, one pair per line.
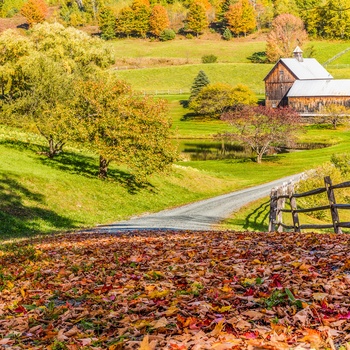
315,179
189,36
34,11
227,34
258,57
167,34
209,59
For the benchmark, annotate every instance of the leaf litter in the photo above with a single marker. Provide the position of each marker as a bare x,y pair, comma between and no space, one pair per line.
176,290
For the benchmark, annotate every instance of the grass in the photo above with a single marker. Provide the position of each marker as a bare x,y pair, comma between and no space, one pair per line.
235,51
181,77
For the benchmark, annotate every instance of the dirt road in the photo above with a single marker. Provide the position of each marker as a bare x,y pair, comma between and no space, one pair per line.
200,215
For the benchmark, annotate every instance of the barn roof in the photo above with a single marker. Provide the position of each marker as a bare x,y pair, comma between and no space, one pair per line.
329,87
307,68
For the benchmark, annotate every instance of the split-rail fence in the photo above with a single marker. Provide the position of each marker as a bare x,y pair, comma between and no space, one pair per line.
281,194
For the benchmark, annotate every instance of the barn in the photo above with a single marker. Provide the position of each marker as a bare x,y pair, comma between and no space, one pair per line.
305,85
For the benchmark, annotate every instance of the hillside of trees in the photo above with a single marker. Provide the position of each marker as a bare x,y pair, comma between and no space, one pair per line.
163,19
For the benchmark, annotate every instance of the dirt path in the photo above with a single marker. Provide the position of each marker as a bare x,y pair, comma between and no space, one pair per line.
200,215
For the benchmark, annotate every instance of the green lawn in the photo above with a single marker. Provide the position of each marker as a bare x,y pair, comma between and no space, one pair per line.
181,77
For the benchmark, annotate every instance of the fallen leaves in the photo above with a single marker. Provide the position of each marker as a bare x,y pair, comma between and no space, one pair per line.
172,290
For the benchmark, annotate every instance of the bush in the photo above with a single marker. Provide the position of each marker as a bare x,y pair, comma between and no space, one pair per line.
209,59
258,57
189,36
227,35
167,34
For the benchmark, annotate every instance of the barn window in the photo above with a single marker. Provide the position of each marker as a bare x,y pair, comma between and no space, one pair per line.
281,75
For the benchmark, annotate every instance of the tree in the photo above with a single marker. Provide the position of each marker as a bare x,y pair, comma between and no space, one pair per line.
44,106
241,18
262,127
285,6
336,19
142,12
227,35
200,81
37,75
196,19
123,127
215,99
125,22
287,32
107,22
159,20
15,48
34,11
334,114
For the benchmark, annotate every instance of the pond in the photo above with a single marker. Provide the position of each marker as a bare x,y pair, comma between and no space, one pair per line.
211,149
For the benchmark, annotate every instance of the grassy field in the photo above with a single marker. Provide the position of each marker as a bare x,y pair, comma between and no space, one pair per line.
41,195
182,76
173,65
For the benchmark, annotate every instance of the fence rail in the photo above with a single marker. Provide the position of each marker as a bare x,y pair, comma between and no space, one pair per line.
277,207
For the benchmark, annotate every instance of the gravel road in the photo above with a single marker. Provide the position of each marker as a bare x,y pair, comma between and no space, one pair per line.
200,215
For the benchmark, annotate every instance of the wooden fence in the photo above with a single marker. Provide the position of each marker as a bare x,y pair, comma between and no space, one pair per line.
281,194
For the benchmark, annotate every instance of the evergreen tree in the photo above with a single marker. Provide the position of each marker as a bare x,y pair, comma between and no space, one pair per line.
200,81
227,35
159,20
196,20
107,22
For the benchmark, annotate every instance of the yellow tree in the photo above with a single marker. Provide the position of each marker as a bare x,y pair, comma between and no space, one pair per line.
196,20
123,127
34,11
241,18
158,20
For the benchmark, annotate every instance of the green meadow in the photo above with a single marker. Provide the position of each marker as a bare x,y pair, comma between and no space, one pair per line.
40,196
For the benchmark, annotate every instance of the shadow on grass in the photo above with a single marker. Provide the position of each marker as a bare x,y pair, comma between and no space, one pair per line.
18,219
257,219
76,163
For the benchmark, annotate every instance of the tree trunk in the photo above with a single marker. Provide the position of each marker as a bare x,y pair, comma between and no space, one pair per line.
103,168
259,158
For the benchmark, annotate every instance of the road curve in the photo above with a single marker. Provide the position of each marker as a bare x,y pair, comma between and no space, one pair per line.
201,215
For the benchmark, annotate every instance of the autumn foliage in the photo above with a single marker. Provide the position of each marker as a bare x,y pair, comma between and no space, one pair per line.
287,32
34,11
261,127
158,20
171,290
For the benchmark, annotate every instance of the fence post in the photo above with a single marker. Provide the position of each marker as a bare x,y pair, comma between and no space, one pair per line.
293,206
273,210
280,205
331,199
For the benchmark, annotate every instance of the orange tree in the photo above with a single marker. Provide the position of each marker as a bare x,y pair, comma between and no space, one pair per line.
158,20
34,11
261,127
287,32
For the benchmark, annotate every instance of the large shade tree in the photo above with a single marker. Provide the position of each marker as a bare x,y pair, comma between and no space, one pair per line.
123,127
262,127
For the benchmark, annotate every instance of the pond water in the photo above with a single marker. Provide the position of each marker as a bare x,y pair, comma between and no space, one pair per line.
211,149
